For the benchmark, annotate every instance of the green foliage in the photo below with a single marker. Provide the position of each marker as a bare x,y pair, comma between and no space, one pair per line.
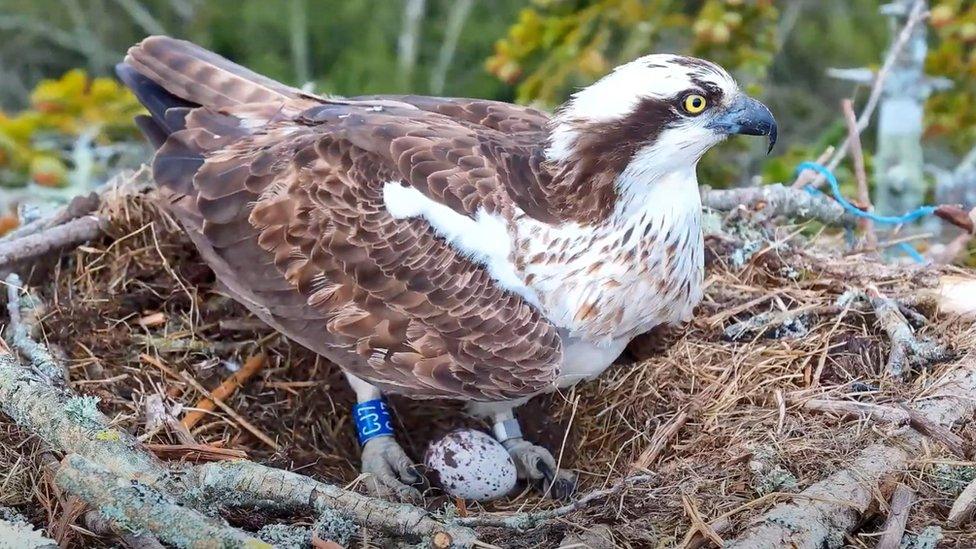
557,45
33,142
341,46
536,52
952,113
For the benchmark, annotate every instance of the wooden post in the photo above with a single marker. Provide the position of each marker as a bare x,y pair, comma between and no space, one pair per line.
899,182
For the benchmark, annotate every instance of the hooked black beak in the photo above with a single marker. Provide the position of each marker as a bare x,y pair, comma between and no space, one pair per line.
746,116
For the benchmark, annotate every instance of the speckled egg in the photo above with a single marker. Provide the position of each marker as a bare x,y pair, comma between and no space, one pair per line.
471,465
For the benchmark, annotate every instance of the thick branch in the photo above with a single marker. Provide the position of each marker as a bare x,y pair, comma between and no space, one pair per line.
778,200
70,424
39,244
79,206
825,511
894,527
74,425
136,506
964,508
256,485
18,333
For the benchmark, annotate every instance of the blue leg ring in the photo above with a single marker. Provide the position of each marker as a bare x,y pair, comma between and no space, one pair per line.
373,419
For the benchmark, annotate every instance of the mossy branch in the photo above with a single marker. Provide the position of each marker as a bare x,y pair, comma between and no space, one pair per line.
254,485
137,507
779,200
825,512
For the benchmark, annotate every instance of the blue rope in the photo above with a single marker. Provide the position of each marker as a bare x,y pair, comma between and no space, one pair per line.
857,212
854,210
910,251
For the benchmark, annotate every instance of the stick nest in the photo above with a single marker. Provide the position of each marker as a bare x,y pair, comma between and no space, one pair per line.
712,409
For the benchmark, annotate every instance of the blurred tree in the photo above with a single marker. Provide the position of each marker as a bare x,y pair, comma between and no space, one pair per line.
40,145
537,51
556,44
343,47
951,115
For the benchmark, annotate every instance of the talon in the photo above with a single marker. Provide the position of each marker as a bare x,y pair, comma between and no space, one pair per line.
563,487
391,473
417,476
548,473
536,464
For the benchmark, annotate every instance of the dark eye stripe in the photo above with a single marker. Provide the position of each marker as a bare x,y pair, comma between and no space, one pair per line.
711,92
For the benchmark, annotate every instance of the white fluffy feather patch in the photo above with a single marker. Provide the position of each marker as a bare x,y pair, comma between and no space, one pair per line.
484,239
641,269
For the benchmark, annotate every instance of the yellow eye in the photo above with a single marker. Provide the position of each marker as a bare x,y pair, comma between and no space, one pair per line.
694,104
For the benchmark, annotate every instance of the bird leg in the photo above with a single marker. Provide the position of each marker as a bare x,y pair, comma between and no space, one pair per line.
389,472
533,463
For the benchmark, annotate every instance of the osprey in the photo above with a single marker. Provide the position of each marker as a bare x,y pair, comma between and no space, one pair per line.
441,247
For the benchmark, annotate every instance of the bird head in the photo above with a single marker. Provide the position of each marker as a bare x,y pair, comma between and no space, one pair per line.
660,111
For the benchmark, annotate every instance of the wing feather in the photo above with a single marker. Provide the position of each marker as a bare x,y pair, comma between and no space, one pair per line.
283,195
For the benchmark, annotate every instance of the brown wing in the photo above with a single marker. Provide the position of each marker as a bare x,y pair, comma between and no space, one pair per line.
516,121
288,210
510,138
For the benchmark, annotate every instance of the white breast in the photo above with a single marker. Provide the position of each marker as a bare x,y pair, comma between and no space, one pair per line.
642,268
601,285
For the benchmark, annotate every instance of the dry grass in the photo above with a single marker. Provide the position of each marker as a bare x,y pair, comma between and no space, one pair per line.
701,412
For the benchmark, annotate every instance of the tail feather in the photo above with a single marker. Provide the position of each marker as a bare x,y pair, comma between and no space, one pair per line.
174,78
199,76
155,133
154,97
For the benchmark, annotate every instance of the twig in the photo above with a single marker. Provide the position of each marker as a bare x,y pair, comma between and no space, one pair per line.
894,527
225,390
907,351
660,439
698,523
256,485
953,250
79,206
169,345
916,16
18,333
138,506
867,410
778,200
524,521
195,452
830,508
926,427
33,246
806,175
857,155
964,507
250,427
